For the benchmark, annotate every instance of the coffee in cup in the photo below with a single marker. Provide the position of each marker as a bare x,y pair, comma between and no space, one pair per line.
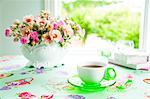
95,72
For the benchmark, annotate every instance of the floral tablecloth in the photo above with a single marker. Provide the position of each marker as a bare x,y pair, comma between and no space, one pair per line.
20,82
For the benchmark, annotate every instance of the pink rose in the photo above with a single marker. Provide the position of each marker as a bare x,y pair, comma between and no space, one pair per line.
60,23
54,25
129,76
28,19
34,35
47,38
24,40
42,22
56,35
36,40
7,32
67,30
61,40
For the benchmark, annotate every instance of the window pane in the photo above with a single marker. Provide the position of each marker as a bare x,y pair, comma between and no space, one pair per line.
109,19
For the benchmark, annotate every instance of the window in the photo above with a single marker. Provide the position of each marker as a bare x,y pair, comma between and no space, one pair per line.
110,19
145,24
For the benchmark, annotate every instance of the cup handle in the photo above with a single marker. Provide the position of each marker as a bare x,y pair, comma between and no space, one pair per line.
110,74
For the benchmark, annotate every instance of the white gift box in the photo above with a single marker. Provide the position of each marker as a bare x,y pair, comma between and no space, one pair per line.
135,59
132,57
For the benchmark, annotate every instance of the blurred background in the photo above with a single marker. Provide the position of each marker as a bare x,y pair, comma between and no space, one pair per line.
108,20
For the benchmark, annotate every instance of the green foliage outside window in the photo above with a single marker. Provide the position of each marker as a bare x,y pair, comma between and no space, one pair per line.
114,25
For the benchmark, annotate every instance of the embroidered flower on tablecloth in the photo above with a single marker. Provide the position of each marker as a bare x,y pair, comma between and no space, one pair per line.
129,77
110,97
124,82
147,94
147,80
75,97
47,97
147,97
13,84
4,60
11,67
40,70
5,88
17,83
5,75
58,86
20,82
26,95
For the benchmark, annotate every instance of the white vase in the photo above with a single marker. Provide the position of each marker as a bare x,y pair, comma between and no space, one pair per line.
42,55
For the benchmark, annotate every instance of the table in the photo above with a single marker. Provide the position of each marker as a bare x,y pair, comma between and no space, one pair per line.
52,82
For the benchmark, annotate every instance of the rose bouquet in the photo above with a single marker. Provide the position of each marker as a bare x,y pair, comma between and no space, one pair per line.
44,38
44,29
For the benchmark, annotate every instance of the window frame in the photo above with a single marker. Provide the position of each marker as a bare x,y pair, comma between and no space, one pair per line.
145,23
53,6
